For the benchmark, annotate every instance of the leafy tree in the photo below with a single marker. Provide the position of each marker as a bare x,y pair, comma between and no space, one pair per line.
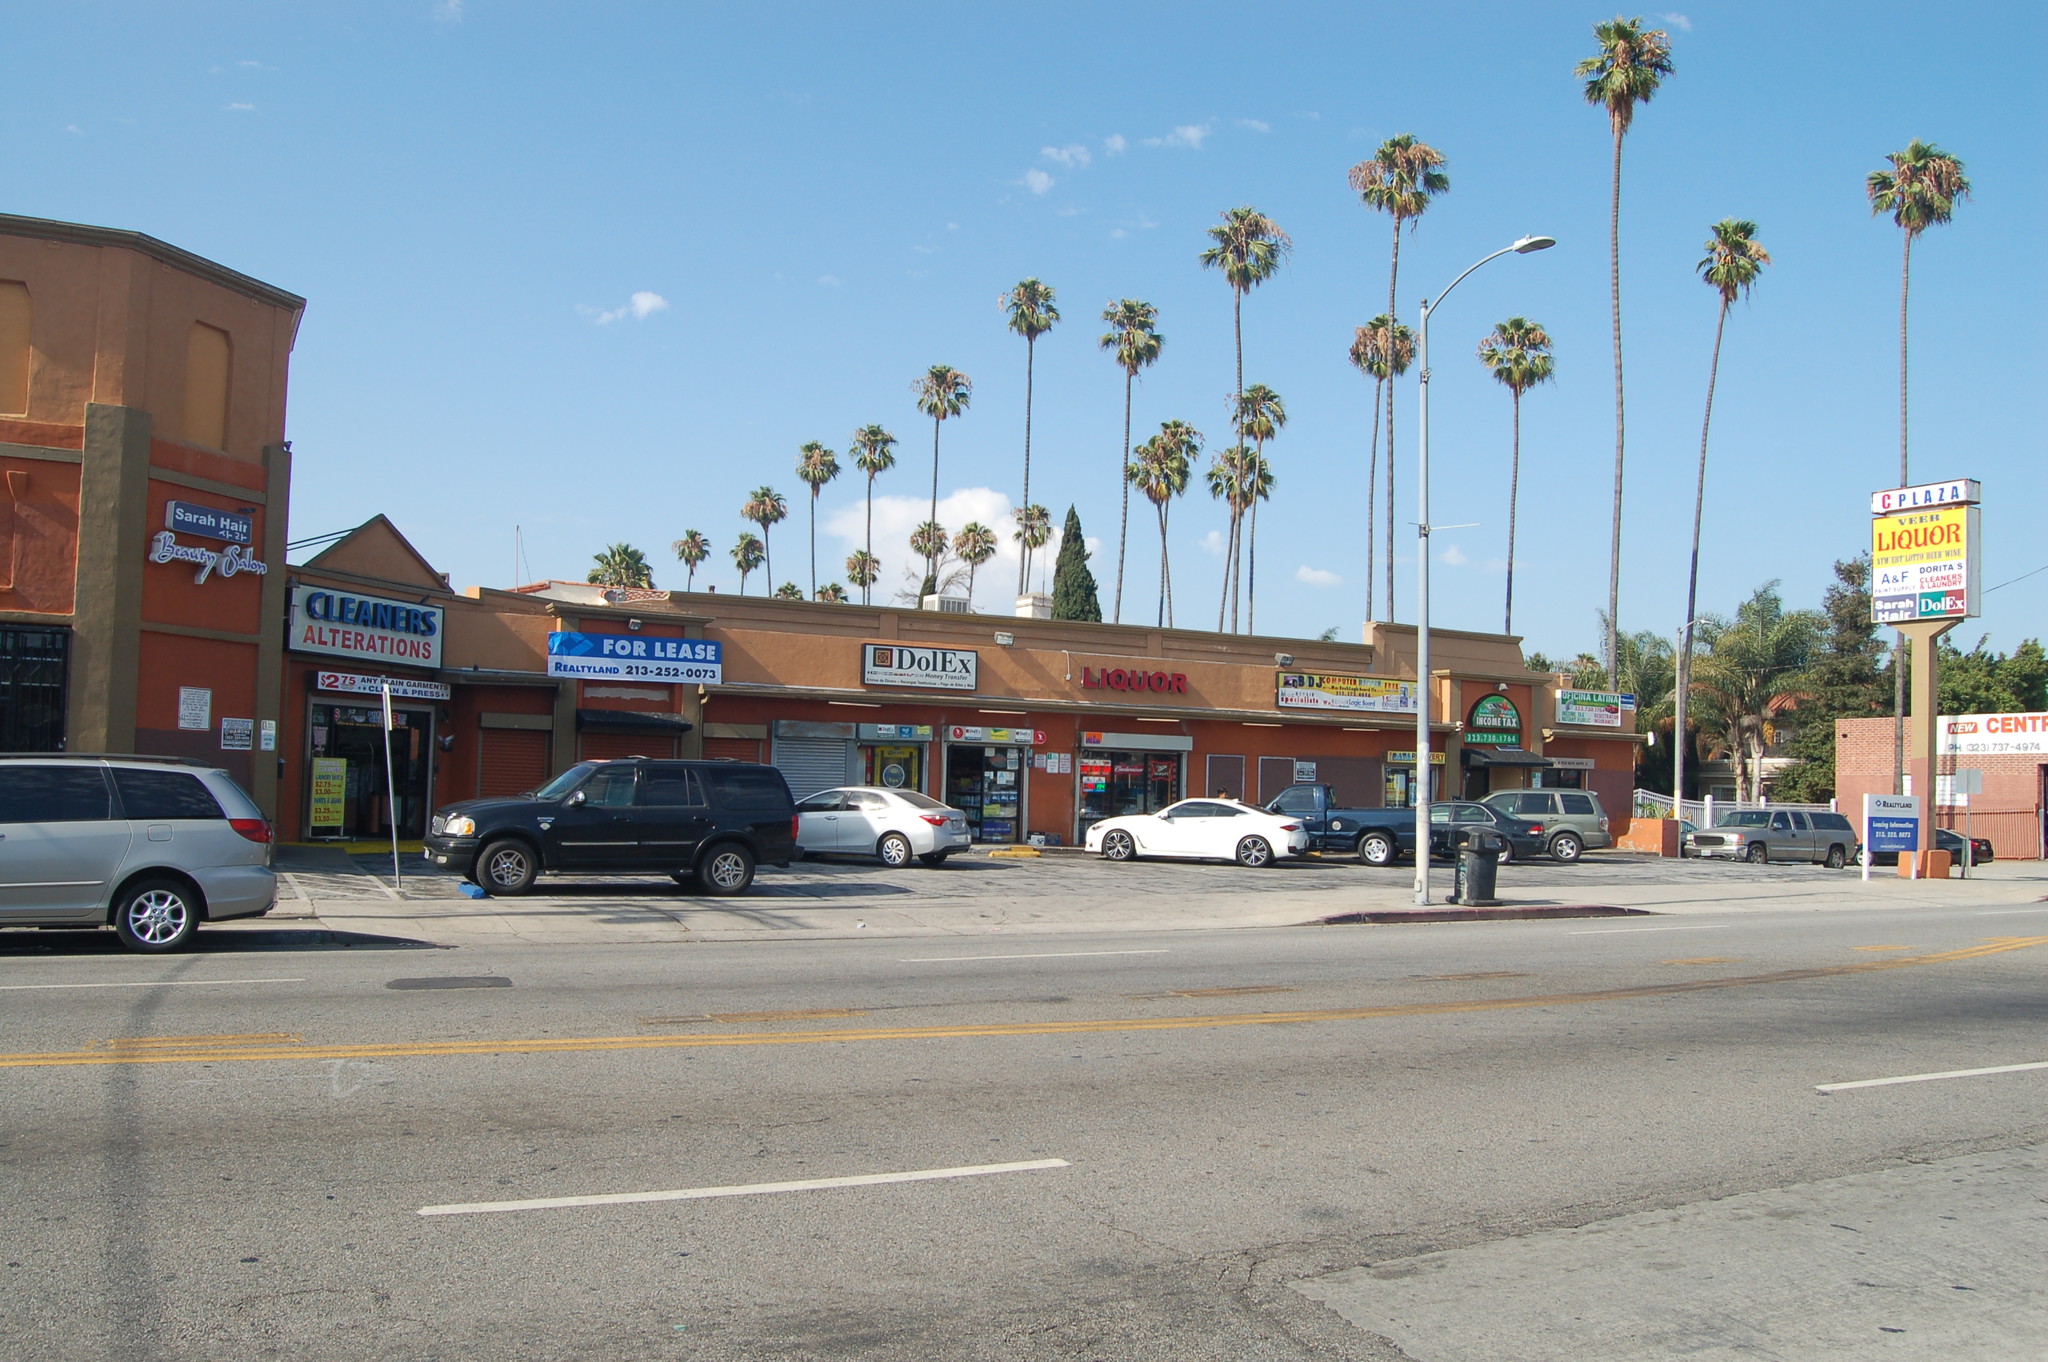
1383,348
942,393
747,556
1983,682
862,569
1328,635
1260,416
1133,338
831,593
1033,532
621,565
789,591
767,508
1249,250
1517,353
816,465
929,542
1160,471
1073,585
1401,179
692,549
1031,312
1754,672
874,451
975,544
1845,681
1733,262
1627,70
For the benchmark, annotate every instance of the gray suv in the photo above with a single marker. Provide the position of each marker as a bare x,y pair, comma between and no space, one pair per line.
150,846
1573,821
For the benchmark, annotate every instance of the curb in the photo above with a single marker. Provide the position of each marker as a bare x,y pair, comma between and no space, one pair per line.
1503,913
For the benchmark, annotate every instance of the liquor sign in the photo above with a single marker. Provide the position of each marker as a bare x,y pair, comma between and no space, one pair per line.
1310,690
626,657
403,688
1134,678
1924,552
892,664
1495,722
1595,708
1977,735
368,627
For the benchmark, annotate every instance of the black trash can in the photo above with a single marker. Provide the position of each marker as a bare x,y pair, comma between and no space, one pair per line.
1479,851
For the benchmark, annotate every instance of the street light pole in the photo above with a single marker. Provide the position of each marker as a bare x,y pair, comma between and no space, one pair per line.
1422,678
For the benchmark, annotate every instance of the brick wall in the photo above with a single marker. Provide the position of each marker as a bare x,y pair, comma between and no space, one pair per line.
2008,812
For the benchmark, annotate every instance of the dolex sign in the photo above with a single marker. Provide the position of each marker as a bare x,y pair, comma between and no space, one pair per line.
892,664
1134,679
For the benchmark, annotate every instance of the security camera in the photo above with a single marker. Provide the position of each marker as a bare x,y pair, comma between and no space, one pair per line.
1283,659
633,624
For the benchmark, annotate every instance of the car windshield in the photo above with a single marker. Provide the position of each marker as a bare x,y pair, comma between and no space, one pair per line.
916,800
566,781
1746,818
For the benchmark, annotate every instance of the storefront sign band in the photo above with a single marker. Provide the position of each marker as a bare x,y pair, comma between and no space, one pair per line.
613,657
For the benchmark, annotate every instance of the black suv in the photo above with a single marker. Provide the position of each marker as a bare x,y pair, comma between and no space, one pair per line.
707,823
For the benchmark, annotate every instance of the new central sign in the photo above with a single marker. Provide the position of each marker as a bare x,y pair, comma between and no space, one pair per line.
893,664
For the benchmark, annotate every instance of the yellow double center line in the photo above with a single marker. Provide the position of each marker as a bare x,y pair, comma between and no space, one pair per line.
191,1050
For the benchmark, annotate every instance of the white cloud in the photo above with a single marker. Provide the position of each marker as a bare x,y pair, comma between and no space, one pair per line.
447,11
74,128
1453,555
995,583
1036,180
952,226
1254,124
247,65
1189,135
828,280
1114,144
639,307
1117,234
1073,157
1310,576
1214,542
239,108
1678,21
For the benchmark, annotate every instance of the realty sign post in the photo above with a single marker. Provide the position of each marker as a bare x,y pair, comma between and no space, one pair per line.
1890,823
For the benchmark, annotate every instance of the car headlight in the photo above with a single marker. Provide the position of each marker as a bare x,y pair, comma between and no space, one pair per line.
460,827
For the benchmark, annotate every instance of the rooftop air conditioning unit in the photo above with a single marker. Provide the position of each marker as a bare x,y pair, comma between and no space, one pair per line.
1034,605
949,605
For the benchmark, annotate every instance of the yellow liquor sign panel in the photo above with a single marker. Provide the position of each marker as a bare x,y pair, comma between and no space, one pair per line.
1923,565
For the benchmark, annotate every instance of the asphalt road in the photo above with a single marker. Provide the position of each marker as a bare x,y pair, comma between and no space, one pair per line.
1252,1144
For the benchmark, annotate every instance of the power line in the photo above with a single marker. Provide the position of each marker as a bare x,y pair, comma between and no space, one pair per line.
2021,578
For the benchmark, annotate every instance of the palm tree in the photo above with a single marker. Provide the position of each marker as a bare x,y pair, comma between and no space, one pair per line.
766,507
1517,353
862,568
1919,191
1229,480
831,594
1031,315
1260,416
1383,349
789,591
1249,249
874,451
692,549
942,392
975,544
1160,471
1033,532
1631,64
816,465
928,541
1752,673
1134,340
1401,179
1733,262
747,555
621,565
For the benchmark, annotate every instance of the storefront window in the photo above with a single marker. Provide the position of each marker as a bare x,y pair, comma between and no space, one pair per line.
1117,783
896,767
33,667
987,784
349,798
1401,786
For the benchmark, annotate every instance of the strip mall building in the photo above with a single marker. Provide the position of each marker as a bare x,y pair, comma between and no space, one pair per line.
1030,725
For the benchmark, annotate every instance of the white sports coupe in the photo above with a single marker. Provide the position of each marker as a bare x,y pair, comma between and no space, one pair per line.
1201,830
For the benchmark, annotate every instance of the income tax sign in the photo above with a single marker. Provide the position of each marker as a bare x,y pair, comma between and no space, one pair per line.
1924,553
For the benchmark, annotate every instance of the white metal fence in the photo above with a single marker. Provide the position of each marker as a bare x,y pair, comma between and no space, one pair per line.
1702,813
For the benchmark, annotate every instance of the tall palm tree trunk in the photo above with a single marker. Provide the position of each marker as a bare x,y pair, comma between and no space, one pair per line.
1251,575
1899,652
1514,495
1165,562
1372,478
1123,524
1162,566
1614,542
1393,321
1692,579
814,541
868,542
1229,560
1024,558
931,561
768,557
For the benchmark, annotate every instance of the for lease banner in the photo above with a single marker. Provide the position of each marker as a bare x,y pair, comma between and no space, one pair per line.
626,657
1324,690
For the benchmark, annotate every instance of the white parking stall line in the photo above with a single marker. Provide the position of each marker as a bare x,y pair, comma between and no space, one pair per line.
2008,912
1929,1078
1047,955
746,1189
1611,931
152,983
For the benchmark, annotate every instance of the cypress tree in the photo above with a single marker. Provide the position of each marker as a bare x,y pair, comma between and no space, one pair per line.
1073,585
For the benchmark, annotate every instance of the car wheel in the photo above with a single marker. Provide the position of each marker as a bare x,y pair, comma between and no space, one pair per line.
1119,846
1838,856
934,858
1757,854
1376,848
1566,847
155,916
1507,852
507,867
728,870
894,849
1253,852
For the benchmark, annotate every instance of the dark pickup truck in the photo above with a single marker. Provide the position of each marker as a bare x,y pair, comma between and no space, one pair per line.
1375,836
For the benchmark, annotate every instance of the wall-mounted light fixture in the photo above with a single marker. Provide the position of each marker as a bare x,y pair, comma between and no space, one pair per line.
634,625
1004,640
1283,659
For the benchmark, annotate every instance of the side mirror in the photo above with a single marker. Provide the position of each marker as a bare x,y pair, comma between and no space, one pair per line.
575,801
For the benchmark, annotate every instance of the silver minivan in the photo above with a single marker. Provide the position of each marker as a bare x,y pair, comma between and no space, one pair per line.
150,846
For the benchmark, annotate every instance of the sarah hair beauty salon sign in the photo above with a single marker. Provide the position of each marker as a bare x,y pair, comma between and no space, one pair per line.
344,624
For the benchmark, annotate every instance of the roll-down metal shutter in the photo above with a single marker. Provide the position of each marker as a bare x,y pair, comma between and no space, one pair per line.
811,764
512,760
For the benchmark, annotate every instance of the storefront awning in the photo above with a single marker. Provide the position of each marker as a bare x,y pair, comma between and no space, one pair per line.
1504,756
631,721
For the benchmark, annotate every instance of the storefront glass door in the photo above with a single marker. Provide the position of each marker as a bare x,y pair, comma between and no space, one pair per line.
987,783
1117,783
348,798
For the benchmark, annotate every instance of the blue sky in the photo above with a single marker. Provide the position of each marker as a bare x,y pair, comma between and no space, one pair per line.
814,203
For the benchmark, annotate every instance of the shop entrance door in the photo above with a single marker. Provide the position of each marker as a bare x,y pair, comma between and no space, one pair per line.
987,783
1117,783
348,747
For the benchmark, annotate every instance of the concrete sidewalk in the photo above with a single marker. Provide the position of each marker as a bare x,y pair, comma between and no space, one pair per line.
341,893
